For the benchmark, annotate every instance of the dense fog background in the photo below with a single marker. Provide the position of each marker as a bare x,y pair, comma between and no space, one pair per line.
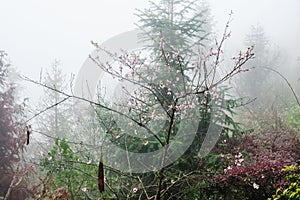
223,133
35,33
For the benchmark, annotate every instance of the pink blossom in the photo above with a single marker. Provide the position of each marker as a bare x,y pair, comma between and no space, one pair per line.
255,186
145,143
191,105
134,190
84,189
227,169
116,135
89,162
161,43
153,115
42,154
239,155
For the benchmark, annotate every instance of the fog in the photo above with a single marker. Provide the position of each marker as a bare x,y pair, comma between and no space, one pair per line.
35,33
176,121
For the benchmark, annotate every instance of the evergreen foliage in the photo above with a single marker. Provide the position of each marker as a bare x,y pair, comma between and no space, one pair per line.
57,121
180,23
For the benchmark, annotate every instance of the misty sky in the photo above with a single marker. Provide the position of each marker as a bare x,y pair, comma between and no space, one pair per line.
35,32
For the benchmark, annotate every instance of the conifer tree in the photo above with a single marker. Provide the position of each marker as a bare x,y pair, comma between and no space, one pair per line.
261,83
184,27
182,24
57,120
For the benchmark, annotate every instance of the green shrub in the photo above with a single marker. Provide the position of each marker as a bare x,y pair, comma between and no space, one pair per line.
293,118
291,187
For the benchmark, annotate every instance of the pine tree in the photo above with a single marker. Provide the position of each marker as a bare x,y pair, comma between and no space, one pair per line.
57,120
255,82
184,26
180,23
261,83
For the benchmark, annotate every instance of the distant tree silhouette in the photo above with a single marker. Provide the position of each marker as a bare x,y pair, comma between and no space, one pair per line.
56,121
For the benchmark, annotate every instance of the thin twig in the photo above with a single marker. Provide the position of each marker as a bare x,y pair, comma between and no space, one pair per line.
287,82
97,104
48,108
